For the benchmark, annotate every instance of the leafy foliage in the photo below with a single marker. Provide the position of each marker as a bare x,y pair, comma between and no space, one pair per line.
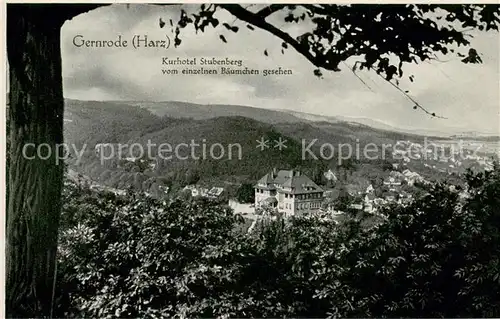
246,193
137,257
381,38
411,33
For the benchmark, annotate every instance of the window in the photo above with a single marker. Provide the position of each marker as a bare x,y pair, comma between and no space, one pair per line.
286,195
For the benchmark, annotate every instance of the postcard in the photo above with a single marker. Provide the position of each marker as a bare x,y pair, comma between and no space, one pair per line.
272,160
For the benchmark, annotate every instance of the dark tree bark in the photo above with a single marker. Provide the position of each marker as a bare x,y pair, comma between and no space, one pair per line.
34,201
36,109
33,184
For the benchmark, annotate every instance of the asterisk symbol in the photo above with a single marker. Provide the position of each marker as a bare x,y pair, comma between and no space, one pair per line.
262,143
280,144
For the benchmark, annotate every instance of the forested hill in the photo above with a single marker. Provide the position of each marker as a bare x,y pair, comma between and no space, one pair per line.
91,122
109,120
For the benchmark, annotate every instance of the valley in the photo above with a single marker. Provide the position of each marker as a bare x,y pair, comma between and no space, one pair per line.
139,125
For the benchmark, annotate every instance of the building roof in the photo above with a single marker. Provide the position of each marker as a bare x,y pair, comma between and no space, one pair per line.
266,179
298,184
301,185
215,191
282,176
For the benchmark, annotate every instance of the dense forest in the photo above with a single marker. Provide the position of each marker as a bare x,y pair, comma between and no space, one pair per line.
90,123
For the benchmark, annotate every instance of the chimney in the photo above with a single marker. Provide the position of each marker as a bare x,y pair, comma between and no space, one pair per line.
290,174
297,173
274,172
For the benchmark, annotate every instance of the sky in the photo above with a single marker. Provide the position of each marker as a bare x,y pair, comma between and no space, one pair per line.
467,95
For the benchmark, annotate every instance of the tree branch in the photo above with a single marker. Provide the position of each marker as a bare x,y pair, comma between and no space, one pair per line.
267,11
317,9
252,18
352,69
417,105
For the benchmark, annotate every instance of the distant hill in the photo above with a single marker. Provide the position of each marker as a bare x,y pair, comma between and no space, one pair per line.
177,109
366,122
113,122
92,122
201,112
361,126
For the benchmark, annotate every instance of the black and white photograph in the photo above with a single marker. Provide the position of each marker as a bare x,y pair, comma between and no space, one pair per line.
271,160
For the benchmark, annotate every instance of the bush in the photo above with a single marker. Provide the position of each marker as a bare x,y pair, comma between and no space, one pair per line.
138,257
245,193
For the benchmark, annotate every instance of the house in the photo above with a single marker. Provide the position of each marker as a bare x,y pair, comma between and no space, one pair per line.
330,176
392,182
368,202
290,192
412,177
370,189
197,191
214,192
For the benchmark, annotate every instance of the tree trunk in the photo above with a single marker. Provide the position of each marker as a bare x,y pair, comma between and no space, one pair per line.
34,184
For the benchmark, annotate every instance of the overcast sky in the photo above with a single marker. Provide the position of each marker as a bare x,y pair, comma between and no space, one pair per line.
468,95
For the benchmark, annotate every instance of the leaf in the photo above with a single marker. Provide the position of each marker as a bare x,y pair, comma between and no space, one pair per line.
284,45
235,29
250,27
318,73
223,38
214,22
162,23
265,53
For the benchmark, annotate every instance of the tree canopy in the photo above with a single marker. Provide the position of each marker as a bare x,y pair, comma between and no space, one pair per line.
137,257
